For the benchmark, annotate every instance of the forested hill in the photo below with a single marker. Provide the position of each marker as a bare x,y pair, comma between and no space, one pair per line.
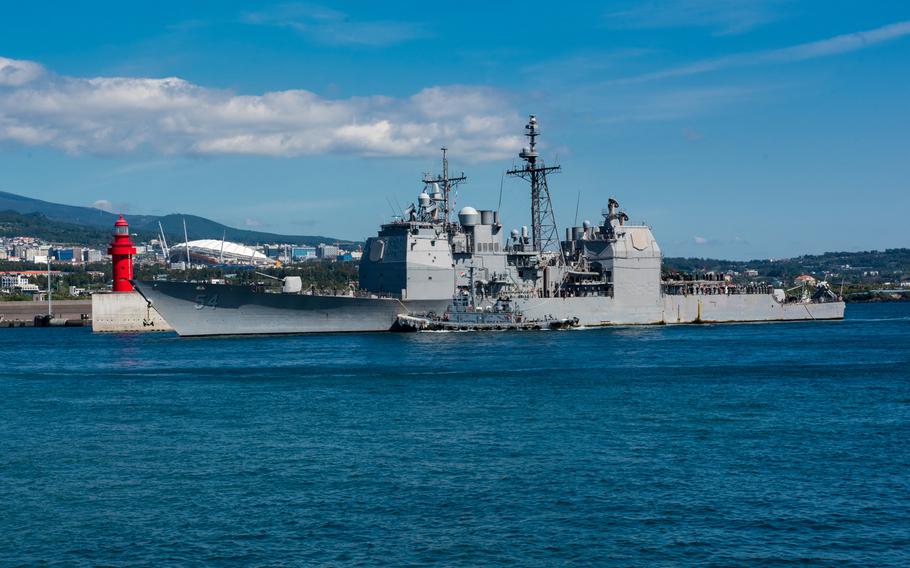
887,264
13,224
197,227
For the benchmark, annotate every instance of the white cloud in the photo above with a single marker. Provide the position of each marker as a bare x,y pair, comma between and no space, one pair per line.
701,240
331,27
823,48
115,115
15,72
104,205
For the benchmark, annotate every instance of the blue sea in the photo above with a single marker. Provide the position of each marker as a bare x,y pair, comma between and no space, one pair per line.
712,445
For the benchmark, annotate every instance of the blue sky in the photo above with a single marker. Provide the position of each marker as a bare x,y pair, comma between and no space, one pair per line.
748,129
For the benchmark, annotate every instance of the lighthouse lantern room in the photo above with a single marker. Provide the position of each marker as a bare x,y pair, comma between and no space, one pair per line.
122,251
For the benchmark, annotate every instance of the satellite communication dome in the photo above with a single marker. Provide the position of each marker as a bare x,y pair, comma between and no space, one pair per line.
468,217
424,198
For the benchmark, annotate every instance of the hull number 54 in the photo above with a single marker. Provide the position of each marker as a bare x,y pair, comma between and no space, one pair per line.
202,302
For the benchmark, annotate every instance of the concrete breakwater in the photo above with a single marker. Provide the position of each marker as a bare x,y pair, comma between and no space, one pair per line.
23,314
118,312
125,311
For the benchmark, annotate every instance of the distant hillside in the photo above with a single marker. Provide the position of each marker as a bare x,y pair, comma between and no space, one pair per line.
889,264
202,228
13,224
197,227
66,213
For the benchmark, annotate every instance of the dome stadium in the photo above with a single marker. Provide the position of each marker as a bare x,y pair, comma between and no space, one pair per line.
214,251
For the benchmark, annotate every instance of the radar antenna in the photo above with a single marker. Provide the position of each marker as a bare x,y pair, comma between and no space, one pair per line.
543,222
448,184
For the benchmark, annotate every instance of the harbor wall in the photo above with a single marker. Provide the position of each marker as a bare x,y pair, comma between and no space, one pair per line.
22,313
125,311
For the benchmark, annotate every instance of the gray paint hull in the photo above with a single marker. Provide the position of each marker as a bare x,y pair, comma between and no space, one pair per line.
221,309
597,311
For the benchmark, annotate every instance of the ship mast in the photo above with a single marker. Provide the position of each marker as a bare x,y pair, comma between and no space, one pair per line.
448,184
543,222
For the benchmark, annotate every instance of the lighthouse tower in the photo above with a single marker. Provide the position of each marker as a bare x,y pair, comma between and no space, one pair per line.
122,251
125,309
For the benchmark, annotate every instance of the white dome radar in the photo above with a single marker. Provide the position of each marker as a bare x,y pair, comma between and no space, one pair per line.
468,217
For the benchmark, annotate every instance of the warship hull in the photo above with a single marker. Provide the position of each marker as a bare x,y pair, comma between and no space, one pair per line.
196,309
218,309
604,311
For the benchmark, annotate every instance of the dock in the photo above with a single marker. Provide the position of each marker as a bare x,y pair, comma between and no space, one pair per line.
24,314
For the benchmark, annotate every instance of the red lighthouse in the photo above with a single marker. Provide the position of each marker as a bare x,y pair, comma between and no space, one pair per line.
122,251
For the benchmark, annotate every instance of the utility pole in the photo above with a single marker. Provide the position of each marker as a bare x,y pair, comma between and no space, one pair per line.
50,311
186,241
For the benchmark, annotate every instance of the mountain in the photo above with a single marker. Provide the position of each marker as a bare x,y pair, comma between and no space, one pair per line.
202,228
67,213
13,224
197,227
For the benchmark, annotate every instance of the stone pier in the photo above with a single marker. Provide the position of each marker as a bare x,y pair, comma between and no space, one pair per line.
125,311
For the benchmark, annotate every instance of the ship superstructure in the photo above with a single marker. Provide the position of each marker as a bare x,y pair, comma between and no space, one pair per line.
423,263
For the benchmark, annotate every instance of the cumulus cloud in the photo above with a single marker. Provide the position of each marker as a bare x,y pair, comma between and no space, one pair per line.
115,115
14,72
104,205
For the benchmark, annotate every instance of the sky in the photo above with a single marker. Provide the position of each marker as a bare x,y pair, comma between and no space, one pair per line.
736,129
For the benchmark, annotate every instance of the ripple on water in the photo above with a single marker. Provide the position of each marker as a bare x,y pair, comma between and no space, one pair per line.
715,445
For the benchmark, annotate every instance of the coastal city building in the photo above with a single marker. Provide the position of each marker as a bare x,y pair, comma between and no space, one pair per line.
303,253
15,283
327,251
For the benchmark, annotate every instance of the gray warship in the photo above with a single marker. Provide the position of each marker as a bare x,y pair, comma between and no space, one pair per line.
424,263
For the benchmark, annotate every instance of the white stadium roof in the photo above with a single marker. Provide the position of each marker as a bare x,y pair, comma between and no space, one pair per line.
213,247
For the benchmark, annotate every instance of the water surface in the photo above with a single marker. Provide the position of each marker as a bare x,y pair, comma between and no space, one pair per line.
763,444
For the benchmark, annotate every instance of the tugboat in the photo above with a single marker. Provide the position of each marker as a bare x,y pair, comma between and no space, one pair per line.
463,314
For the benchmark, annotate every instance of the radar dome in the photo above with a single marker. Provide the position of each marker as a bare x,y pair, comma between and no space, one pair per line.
468,217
